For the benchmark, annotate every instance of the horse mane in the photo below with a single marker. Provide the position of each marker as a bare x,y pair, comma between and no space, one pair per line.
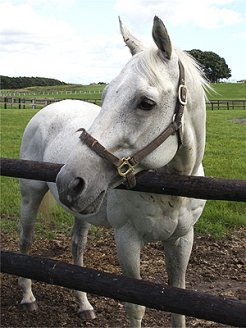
149,66
194,69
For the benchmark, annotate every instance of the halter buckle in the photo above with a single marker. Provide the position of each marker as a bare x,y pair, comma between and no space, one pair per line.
182,94
125,167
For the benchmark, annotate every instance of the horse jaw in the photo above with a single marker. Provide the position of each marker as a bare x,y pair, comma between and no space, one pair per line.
95,205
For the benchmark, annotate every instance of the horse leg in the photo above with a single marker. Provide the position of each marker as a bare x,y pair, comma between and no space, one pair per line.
79,239
129,246
32,193
177,254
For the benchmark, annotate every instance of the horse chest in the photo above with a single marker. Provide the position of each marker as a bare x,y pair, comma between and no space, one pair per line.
155,217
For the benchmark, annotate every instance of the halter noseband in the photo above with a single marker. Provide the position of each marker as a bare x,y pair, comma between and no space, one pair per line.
126,165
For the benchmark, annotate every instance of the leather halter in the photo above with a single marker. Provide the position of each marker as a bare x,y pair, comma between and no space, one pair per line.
126,165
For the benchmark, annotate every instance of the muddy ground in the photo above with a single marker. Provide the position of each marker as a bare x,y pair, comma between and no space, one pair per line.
216,267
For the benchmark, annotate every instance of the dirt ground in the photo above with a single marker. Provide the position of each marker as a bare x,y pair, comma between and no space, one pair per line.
216,267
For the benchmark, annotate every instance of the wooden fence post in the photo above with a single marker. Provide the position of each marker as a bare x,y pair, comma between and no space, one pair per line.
5,102
33,103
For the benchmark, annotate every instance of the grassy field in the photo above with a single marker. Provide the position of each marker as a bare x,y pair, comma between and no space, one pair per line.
223,158
228,91
223,91
93,92
71,91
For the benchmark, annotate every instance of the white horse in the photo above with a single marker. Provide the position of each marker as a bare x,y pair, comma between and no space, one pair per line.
154,109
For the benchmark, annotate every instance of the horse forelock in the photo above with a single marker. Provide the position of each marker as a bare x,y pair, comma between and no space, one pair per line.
148,65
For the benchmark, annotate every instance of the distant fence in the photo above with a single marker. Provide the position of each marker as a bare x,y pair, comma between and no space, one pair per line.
34,103
226,104
22,94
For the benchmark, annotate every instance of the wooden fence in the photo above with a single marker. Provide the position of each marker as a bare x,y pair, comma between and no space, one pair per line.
178,185
226,104
157,296
31,94
176,300
36,103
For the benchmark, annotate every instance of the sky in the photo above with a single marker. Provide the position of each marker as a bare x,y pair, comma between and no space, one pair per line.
79,41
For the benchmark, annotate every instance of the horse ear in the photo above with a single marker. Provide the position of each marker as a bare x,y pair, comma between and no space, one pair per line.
161,37
133,44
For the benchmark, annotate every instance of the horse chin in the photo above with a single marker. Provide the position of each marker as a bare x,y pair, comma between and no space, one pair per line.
94,206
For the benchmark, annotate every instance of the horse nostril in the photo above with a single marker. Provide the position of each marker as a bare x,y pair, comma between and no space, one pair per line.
76,187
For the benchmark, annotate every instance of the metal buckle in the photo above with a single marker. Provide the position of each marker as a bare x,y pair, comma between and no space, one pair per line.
125,167
182,94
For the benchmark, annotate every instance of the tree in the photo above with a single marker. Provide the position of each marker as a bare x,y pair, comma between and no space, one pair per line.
213,66
7,82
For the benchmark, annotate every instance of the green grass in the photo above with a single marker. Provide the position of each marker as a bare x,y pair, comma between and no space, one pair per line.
228,91
225,144
13,123
225,157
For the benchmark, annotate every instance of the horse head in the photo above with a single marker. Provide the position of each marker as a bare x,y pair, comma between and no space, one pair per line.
139,105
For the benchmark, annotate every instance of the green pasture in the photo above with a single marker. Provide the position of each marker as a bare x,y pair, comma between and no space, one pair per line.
69,91
228,91
225,157
222,91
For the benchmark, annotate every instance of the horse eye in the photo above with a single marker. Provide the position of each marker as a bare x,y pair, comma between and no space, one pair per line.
146,104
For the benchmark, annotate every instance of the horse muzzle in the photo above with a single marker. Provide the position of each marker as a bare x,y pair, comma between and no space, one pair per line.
75,193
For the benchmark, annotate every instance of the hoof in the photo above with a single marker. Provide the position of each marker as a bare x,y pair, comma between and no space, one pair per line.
29,307
87,315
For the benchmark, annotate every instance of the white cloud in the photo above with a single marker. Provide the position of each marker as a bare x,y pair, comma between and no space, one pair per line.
48,38
203,13
36,45
22,25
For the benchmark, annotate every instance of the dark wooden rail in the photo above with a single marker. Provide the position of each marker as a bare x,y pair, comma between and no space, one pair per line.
226,104
160,297
31,102
186,186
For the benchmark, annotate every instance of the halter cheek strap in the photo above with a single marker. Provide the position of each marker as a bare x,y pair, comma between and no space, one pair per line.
126,165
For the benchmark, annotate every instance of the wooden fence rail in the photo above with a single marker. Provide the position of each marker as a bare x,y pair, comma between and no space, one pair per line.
170,299
226,104
21,102
35,103
186,186
161,297
24,93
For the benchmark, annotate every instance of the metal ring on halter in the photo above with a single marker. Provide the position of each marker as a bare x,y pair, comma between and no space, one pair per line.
182,94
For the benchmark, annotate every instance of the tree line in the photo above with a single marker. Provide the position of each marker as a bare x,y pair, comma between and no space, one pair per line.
7,82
